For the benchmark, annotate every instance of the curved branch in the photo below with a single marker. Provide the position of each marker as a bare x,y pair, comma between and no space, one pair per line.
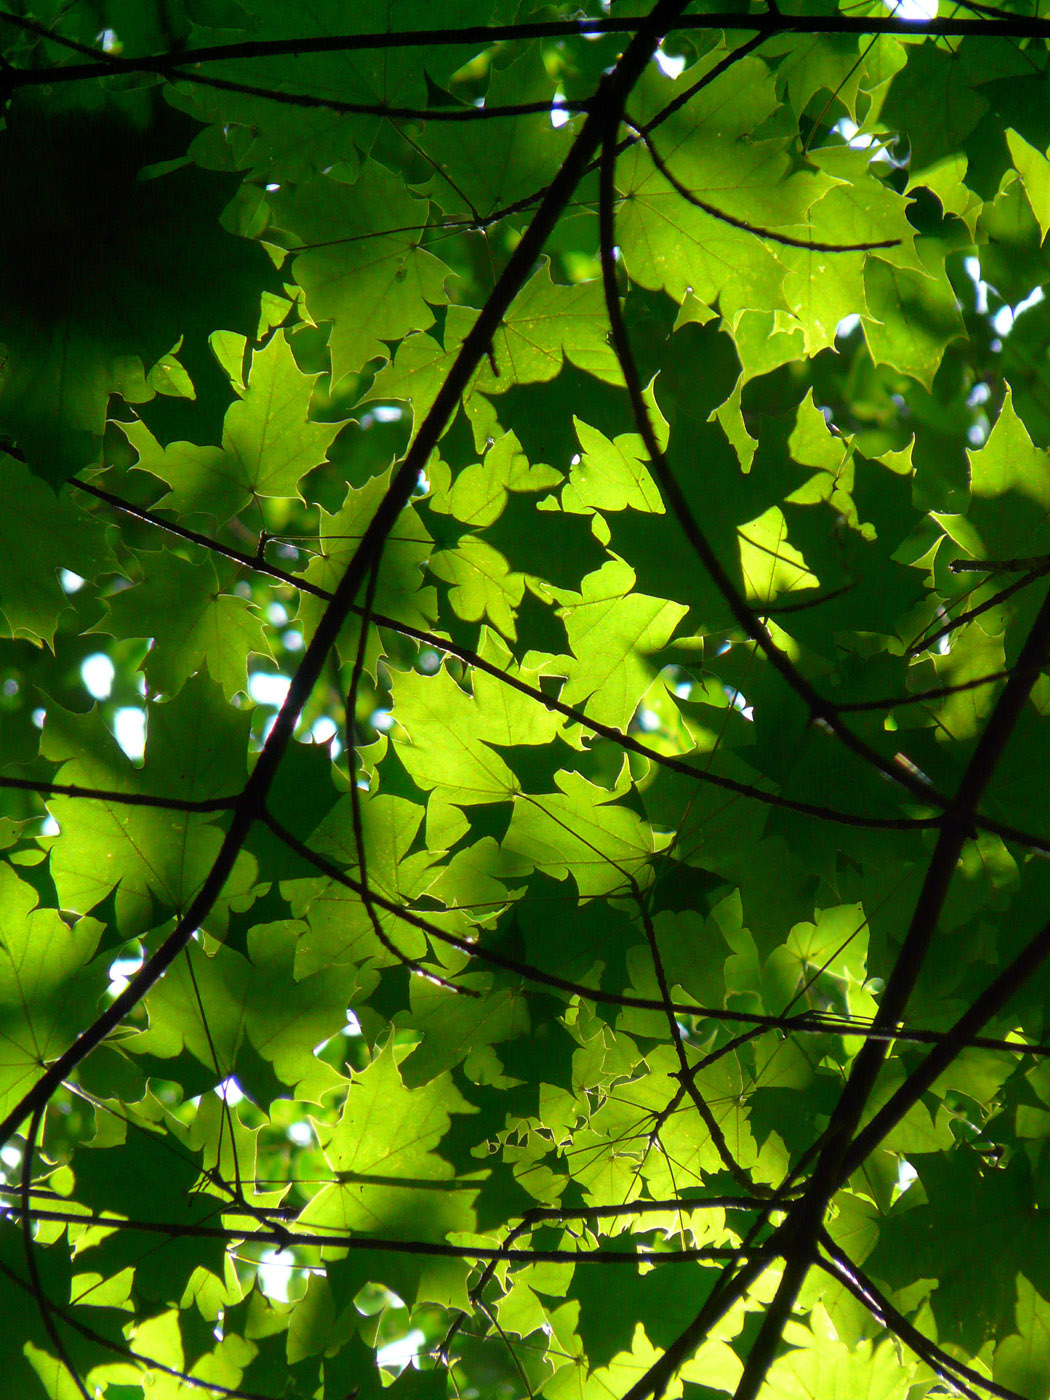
687,1073
357,817
770,235
822,710
371,1244
130,1354
36,1284
953,624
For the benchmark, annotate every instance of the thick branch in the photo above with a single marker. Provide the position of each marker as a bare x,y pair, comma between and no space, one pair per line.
955,1373
831,1169
482,36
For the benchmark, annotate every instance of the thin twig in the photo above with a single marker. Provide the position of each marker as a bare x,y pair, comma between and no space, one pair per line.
43,1302
357,817
953,624
744,225
124,799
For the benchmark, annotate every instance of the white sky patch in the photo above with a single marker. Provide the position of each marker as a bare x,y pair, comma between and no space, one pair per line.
1034,297
382,720
129,730
915,11
324,729
973,270
293,640
861,140
71,582
230,1090
852,134
1004,318
301,1133
97,672
10,1155
121,970
846,326
980,393
739,703
353,1025
559,116
388,413
49,827
906,1174
671,65
275,1274
648,720
267,689
397,1355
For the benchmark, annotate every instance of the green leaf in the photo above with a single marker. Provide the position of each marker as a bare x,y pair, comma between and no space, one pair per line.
831,1369
452,741
451,1035
362,267
193,624
268,443
152,860
254,1001
1022,1360
577,832
46,533
46,988
1034,170
612,677
87,316
611,475
502,160
912,316
1009,488
382,1150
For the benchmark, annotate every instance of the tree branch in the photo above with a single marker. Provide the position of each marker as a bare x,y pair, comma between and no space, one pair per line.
483,36
954,1373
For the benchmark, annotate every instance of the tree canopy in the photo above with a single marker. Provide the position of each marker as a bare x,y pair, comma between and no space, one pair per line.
524,712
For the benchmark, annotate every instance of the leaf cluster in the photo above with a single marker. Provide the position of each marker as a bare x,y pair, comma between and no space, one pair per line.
524,712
